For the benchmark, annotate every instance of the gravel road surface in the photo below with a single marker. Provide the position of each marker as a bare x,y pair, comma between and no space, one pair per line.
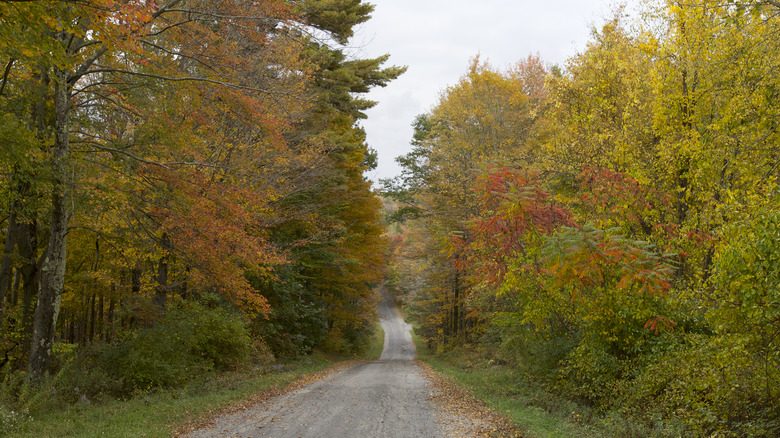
384,398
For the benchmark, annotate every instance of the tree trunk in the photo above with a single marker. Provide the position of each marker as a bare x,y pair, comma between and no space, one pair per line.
109,333
184,292
8,250
456,308
15,288
92,316
162,274
28,251
53,269
100,321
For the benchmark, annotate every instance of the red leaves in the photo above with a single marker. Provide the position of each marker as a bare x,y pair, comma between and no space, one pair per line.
515,213
658,323
617,199
522,231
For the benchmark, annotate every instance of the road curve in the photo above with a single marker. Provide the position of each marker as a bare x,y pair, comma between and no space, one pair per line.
398,337
383,398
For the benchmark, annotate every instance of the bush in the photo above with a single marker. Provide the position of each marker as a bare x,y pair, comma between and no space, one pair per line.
191,340
94,374
713,386
591,372
215,335
159,358
537,353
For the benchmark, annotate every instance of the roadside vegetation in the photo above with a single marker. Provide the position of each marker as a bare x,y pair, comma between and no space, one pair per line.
601,240
534,409
160,413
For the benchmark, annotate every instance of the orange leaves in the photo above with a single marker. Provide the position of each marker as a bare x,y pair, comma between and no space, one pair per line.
594,258
218,229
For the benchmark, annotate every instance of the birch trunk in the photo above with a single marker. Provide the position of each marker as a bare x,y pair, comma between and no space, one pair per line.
52,278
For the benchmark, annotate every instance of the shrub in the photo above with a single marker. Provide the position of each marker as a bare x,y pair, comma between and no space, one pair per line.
191,340
537,353
713,386
217,336
591,372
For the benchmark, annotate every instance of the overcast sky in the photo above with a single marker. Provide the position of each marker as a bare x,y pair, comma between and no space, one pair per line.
437,38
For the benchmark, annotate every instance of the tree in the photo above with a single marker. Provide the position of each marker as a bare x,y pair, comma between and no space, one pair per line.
332,210
603,108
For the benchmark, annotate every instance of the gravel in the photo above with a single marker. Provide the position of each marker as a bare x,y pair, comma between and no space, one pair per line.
390,397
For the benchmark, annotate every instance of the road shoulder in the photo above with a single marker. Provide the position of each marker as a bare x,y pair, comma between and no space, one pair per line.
459,414
259,399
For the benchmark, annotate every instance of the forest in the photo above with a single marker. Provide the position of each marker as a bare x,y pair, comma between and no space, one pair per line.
611,227
182,195
181,191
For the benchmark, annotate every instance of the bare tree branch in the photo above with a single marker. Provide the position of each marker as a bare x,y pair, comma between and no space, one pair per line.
165,8
223,16
170,26
5,75
131,155
86,65
184,79
183,55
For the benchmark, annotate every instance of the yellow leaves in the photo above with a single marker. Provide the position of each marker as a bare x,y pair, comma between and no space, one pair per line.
29,52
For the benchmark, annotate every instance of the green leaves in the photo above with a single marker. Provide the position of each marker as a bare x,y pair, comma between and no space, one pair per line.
748,275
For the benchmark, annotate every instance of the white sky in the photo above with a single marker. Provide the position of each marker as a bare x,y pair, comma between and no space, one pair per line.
437,38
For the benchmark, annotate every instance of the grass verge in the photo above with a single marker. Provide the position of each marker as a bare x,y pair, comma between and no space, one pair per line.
531,408
374,350
161,414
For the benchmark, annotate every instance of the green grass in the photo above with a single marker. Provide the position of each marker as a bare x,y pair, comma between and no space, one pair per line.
532,409
160,414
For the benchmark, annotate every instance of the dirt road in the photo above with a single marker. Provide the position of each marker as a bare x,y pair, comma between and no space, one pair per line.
384,398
